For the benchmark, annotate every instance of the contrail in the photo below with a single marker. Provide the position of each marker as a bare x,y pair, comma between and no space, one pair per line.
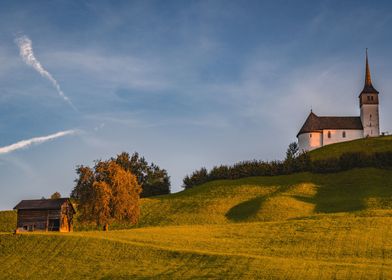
37,140
27,54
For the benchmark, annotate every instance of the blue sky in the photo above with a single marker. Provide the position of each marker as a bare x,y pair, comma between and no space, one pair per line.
185,83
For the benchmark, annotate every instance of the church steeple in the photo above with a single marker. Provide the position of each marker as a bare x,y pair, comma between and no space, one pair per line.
368,103
368,87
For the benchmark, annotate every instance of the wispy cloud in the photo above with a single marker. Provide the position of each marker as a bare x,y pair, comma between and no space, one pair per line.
26,52
33,141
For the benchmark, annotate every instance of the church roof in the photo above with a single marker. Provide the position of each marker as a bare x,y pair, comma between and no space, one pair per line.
316,123
368,87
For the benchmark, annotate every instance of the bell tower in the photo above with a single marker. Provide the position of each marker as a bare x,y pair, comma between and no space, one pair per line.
368,102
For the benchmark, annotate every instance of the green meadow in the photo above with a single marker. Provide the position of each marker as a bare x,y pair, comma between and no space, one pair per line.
367,145
299,226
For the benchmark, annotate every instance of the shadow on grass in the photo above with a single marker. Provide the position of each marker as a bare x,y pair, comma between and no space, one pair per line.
338,192
245,210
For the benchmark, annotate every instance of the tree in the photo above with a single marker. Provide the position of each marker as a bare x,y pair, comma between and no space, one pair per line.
106,193
292,151
100,203
153,179
196,178
55,195
291,154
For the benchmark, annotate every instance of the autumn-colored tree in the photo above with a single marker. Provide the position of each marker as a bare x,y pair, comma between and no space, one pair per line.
55,195
100,203
106,193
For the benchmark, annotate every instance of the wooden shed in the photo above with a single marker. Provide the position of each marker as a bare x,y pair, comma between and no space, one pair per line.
45,215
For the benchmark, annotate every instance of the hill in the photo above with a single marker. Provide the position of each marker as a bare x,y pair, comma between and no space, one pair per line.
316,226
366,145
273,198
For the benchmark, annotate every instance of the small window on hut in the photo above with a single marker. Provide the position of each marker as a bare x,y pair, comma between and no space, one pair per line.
344,134
329,134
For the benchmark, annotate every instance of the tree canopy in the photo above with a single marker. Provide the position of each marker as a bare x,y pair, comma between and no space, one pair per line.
152,179
105,193
55,195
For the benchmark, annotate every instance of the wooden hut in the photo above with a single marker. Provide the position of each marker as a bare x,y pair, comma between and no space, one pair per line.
45,215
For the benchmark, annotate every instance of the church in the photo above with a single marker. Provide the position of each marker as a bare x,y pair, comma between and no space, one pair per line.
319,131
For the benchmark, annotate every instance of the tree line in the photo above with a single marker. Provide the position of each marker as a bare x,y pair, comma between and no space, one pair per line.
294,162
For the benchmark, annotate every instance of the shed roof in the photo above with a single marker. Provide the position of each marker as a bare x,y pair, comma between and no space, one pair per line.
316,123
42,204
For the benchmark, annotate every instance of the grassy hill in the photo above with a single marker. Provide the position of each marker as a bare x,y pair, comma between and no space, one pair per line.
333,248
314,226
366,145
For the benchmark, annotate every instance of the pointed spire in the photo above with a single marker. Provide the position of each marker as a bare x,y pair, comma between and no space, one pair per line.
368,87
368,79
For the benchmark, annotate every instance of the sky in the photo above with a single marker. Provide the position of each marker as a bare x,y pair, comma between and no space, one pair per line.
187,84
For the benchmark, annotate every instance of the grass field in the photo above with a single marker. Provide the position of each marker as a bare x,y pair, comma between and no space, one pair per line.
301,226
327,248
367,145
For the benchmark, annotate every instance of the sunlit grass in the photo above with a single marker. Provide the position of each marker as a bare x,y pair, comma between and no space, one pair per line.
331,246
300,226
366,145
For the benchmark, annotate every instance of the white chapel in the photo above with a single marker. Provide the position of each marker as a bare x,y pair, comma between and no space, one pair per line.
318,131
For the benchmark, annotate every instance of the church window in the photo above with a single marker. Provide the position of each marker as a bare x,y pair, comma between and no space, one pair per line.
310,135
329,134
344,134
371,98
368,97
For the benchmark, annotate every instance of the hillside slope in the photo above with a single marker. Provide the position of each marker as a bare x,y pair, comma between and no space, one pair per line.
313,226
364,191
366,145
358,191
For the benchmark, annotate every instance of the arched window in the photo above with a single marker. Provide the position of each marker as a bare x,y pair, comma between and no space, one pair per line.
329,134
344,134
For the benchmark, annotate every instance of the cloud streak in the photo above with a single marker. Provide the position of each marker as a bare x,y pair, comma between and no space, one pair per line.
27,54
34,141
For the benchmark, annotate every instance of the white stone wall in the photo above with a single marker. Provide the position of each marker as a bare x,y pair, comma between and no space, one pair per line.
310,141
336,135
370,120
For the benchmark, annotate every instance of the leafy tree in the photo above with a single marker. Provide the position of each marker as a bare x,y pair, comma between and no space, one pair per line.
99,205
153,179
106,193
55,195
197,177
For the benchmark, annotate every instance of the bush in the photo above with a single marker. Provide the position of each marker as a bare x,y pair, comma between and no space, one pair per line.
300,163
